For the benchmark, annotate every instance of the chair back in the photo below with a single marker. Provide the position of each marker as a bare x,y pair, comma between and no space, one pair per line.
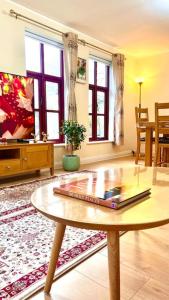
141,116
161,132
161,118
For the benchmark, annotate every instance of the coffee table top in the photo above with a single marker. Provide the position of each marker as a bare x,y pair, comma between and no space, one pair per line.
148,213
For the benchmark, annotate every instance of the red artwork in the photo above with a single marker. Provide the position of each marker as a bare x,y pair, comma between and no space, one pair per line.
16,106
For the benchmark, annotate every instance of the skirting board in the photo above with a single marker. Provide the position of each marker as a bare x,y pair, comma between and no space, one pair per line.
93,159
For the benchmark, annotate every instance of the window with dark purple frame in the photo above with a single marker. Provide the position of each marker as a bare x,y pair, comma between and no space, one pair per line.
98,100
49,92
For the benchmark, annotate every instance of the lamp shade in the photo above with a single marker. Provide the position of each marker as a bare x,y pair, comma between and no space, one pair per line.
139,80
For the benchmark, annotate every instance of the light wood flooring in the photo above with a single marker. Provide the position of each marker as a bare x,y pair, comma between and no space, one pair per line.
144,264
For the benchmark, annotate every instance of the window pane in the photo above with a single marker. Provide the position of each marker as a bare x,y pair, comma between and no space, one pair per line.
36,94
32,50
37,125
52,126
90,126
91,71
52,60
90,101
51,95
100,102
100,126
101,74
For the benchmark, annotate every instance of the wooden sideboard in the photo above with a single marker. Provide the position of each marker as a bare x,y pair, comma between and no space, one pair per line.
23,157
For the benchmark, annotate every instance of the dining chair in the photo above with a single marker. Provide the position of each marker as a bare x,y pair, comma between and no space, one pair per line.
161,132
141,115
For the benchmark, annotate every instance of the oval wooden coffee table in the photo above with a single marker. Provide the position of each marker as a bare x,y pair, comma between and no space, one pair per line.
77,213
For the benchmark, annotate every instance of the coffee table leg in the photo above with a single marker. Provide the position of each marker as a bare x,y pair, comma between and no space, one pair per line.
57,243
114,264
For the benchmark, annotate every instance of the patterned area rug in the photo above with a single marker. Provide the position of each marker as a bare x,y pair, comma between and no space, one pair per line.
26,239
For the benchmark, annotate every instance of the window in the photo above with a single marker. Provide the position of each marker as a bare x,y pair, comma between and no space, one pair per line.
44,62
98,100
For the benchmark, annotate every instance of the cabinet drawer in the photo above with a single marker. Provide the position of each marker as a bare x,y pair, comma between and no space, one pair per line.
37,148
9,166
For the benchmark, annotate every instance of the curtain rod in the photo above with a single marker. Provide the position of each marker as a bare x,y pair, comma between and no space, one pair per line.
16,15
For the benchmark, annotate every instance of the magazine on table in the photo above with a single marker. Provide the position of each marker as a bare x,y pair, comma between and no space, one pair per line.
100,188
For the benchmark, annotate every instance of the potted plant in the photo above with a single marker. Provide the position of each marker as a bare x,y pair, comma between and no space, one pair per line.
74,134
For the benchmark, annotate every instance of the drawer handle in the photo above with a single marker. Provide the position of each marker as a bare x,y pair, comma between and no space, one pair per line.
8,167
25,158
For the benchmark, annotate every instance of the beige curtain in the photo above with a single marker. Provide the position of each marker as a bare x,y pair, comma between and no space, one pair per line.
70,41
118,77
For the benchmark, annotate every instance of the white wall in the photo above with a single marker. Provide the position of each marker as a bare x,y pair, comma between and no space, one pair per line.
12,59
155,88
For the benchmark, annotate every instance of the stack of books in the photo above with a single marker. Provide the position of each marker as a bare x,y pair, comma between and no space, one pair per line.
102,190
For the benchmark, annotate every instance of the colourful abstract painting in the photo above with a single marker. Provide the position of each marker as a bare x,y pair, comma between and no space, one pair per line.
16,106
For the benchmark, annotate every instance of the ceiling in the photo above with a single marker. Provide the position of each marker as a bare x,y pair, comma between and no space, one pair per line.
139,27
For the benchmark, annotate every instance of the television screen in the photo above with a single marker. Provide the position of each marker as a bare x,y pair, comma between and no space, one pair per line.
16,106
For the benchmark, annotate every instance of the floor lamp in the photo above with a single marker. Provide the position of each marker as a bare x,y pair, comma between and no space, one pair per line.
140,82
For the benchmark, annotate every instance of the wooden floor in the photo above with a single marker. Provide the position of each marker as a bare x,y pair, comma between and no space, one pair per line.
144,265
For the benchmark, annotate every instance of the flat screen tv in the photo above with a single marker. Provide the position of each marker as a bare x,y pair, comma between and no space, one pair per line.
16,106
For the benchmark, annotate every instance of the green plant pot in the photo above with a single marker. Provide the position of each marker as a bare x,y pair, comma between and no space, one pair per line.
71,162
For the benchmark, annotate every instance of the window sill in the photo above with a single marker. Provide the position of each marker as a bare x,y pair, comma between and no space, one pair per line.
99,142
88,143
59,145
